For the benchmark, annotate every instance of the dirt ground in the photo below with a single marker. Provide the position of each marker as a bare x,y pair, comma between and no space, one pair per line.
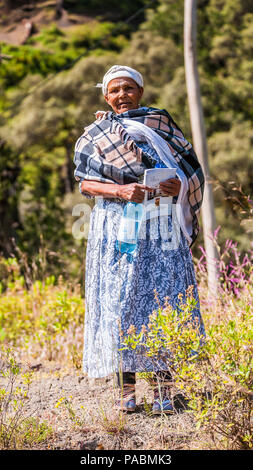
81,414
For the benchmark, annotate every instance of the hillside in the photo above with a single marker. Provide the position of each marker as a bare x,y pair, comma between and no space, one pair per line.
21,19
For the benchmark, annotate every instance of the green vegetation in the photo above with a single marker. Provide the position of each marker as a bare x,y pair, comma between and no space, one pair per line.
19,429
39,316
214,374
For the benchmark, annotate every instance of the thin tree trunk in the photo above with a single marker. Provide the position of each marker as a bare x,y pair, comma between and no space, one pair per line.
199,139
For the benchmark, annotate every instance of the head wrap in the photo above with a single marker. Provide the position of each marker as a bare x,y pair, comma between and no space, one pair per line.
118,71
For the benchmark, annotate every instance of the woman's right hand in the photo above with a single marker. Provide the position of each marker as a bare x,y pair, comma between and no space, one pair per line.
133,192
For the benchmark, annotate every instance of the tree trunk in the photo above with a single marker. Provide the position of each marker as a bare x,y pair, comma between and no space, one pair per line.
199,139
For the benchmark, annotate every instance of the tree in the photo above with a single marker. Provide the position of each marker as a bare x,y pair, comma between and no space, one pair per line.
199,139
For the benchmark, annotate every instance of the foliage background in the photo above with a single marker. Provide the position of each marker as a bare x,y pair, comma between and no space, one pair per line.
47,96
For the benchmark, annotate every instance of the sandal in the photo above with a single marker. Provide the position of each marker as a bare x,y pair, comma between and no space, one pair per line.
127,401
162,402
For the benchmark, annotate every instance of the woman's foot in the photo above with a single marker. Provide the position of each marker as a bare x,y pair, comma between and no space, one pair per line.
162,401
126,400
164,406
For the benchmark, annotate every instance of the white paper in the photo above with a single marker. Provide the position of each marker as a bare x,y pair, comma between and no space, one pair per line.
153,177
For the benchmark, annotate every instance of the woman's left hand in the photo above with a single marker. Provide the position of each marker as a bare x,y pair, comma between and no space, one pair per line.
171,187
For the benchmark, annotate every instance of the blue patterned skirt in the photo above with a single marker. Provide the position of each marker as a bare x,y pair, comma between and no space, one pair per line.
119,288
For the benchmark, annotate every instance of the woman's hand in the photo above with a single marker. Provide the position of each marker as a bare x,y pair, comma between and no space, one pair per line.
133,192
171,187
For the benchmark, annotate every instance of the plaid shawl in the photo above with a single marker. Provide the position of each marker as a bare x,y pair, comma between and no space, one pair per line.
106,153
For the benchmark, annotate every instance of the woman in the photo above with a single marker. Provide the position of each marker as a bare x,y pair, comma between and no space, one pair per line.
111,157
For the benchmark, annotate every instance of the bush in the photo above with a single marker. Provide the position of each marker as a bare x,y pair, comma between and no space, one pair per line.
214,374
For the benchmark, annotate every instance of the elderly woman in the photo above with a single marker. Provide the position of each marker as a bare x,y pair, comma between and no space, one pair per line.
111,157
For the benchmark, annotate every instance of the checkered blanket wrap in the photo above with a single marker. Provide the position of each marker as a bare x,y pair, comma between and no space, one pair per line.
106,153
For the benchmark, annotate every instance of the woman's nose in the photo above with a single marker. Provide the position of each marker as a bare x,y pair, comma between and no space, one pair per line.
122,92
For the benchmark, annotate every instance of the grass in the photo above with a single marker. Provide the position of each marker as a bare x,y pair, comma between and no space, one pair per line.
43,320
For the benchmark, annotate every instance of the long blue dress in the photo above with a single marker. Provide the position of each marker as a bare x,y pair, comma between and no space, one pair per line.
119,287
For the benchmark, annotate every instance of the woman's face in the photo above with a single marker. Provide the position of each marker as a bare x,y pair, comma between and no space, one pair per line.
123,94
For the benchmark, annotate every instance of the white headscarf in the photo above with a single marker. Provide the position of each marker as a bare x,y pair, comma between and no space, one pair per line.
117,71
